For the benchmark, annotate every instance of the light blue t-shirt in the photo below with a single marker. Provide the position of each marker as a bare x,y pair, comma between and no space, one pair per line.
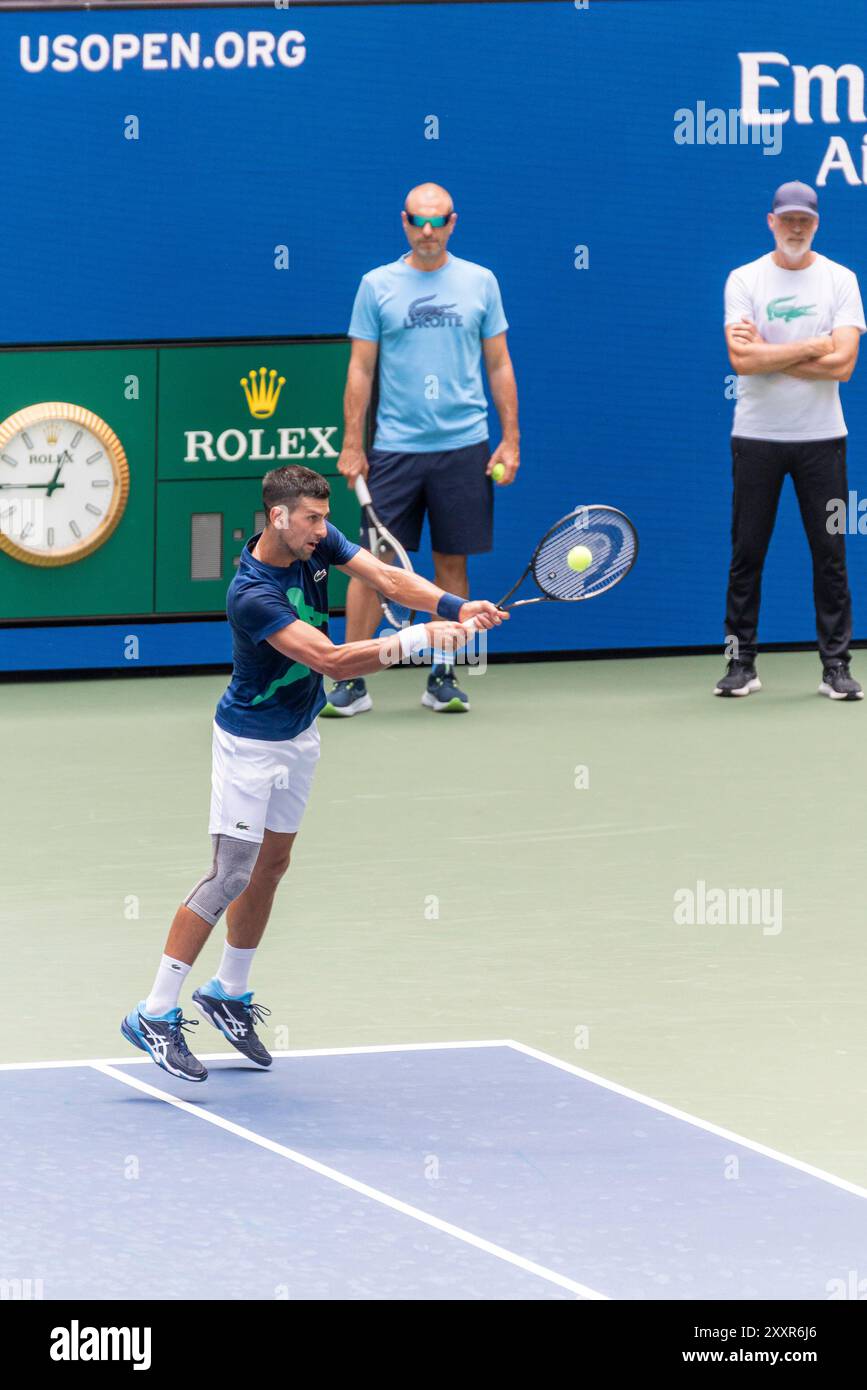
429,325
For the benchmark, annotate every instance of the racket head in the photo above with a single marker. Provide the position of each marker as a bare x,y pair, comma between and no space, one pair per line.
386,547
610,537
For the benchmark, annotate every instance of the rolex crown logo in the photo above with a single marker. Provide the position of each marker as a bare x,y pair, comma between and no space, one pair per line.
263,392
52,433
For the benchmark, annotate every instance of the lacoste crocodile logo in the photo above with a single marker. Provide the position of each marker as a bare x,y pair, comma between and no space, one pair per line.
423,314
792,311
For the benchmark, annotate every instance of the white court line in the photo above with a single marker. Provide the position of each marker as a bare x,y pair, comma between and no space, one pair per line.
224,1056
684,1115
334,1175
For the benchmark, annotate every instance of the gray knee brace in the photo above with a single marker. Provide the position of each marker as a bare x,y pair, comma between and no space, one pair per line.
229,876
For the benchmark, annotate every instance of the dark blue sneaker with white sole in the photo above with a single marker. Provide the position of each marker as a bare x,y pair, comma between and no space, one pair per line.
161,1036
443,693
740,679
838,683
347,698
234,1016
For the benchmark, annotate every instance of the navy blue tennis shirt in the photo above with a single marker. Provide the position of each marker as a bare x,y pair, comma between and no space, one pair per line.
271,696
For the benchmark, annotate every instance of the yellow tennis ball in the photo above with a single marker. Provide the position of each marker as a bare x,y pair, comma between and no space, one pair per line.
579,558
498,472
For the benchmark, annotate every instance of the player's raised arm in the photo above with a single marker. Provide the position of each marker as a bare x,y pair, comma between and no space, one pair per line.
302,642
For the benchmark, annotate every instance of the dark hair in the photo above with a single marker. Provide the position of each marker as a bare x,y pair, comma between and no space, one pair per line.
289,485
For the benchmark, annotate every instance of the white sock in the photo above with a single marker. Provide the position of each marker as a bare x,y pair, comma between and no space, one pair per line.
167,986
234,971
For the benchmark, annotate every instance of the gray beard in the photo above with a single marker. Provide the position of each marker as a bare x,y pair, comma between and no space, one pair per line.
793,256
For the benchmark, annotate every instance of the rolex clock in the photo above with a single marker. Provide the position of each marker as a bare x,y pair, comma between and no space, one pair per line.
64,483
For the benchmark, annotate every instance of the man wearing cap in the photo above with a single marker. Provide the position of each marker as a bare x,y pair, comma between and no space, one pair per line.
793,320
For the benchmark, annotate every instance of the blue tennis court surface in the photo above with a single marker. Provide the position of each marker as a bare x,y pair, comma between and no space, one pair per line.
466,1171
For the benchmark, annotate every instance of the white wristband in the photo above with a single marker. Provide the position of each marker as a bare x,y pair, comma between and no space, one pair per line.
413,639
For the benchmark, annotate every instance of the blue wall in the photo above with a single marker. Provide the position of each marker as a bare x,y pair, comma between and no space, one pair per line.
556,128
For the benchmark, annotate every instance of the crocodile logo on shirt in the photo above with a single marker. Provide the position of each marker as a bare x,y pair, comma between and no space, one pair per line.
297,671
423,314
303,609
776,309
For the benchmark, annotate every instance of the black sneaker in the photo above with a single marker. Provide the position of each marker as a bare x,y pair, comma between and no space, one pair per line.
347,698
837,684
740,679
163,1039
442,693
233,1015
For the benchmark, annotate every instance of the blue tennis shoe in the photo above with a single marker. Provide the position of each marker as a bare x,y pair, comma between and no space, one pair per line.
163,1039
443,694
234,1015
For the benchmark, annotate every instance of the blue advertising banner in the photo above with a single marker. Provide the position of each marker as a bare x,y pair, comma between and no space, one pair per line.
175,174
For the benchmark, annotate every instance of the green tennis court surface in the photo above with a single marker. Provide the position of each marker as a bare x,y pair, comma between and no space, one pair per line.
451,882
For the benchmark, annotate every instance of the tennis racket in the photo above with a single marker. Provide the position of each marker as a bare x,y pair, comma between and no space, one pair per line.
610,537
387,548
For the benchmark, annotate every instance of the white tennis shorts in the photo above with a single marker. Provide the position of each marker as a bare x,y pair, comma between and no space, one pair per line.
260,784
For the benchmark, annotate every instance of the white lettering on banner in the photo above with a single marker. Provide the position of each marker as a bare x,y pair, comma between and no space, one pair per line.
828,78
751,85
98,52
820,85
291,442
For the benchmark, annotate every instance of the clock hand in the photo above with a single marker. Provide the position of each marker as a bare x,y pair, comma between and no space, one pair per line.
54,483
36,485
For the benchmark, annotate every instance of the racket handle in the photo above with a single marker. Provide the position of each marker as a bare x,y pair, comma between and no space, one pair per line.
471,624
362,491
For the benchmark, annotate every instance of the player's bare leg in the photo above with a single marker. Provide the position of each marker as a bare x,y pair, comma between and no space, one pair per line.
247,917
187,935
225,1000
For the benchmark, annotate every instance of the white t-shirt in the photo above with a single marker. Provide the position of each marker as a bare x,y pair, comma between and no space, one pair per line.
787,305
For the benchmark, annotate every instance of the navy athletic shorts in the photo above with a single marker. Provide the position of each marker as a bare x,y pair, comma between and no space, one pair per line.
451,486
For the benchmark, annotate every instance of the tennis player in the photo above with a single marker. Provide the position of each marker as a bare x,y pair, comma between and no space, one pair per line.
429,318
793,321
266,746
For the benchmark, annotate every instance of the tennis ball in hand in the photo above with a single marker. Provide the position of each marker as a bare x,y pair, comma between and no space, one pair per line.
498,472
579,558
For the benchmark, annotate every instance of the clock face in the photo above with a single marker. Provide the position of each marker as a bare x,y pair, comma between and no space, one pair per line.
64,482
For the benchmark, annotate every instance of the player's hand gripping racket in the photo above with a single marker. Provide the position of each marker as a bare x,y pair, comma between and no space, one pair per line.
582,556
387,548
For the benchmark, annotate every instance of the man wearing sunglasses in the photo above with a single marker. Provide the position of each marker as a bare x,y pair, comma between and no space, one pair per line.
428,318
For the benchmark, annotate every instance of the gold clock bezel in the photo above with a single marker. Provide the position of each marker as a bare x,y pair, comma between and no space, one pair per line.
34,415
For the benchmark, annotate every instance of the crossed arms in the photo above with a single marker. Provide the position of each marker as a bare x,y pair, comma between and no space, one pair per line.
831,357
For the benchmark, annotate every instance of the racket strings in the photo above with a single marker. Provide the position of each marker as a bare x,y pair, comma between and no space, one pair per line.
397,613
612,545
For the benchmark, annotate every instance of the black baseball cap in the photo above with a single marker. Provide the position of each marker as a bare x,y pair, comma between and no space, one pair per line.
796,197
